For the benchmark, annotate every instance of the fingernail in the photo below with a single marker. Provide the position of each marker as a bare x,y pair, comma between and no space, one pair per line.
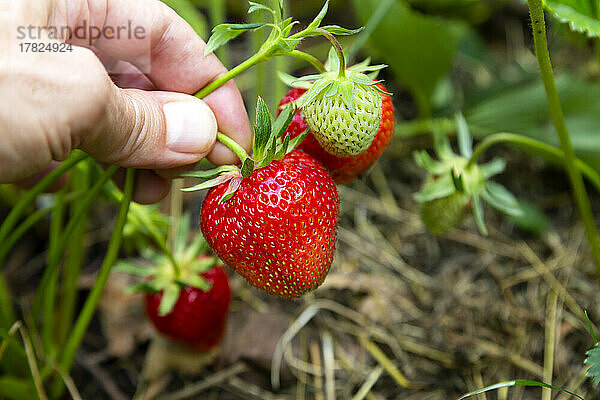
191,126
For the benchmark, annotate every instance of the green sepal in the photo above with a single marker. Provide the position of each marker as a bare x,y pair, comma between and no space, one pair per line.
283,149
436,189
213,182
362,79
152,286
494,167
458,181
593,360
292,81
198,282
501,199
225,32
198,246
247,168
234,185
208,174
340,31
132,268
424,160
283,120
182,234
203,264
297,140
333,89
465,141
262,130
346,90
287,26
316,89
169,299
478,215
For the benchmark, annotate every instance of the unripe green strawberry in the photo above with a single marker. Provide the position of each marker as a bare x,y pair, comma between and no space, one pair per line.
446,213
345,116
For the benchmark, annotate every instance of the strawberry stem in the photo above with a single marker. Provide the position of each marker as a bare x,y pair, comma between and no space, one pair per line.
310,59
233,146
338,50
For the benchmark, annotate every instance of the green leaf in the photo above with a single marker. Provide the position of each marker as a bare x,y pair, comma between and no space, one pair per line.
132,268
523,109
533,218
225,32
319,18
262,130
478,214
338,30
593,360
169,299
517,382
465,141
436,189
419,49
579,14
14,388
346,89
501,199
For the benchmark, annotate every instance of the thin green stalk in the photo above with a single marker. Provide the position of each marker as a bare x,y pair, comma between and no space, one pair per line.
87,312
223,79
7,312
338,50
233,146
54,256
27,224
74,257
535,146
49,294
12,218
312,60
536,11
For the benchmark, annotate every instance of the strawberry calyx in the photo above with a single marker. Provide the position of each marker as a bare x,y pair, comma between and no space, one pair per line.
157,273
454,174
270,143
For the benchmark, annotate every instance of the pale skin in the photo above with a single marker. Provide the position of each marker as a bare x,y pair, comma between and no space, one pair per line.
54,102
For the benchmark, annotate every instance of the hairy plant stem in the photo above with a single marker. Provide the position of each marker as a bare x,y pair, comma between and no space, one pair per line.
309,59
536,12
85,316
338,50
12,218
536,147
233,146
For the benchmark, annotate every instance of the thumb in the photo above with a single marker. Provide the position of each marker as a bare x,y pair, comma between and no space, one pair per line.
154,130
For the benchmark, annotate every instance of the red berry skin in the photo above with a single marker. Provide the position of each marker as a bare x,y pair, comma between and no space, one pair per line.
278,230
198,318
343,169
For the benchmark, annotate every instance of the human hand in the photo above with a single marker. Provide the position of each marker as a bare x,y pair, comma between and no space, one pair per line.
145,118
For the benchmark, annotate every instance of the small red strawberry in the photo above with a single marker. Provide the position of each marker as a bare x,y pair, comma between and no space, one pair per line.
278,230
274,219
343,169
198,317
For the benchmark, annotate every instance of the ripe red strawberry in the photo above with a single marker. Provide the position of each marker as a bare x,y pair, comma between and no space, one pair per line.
278,229
343,169
198,317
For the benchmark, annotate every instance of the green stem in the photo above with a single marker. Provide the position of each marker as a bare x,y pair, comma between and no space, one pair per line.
217,83
87,312
536,11
12,218
216,14
56,251
309,59
536,147
338,50
233,146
